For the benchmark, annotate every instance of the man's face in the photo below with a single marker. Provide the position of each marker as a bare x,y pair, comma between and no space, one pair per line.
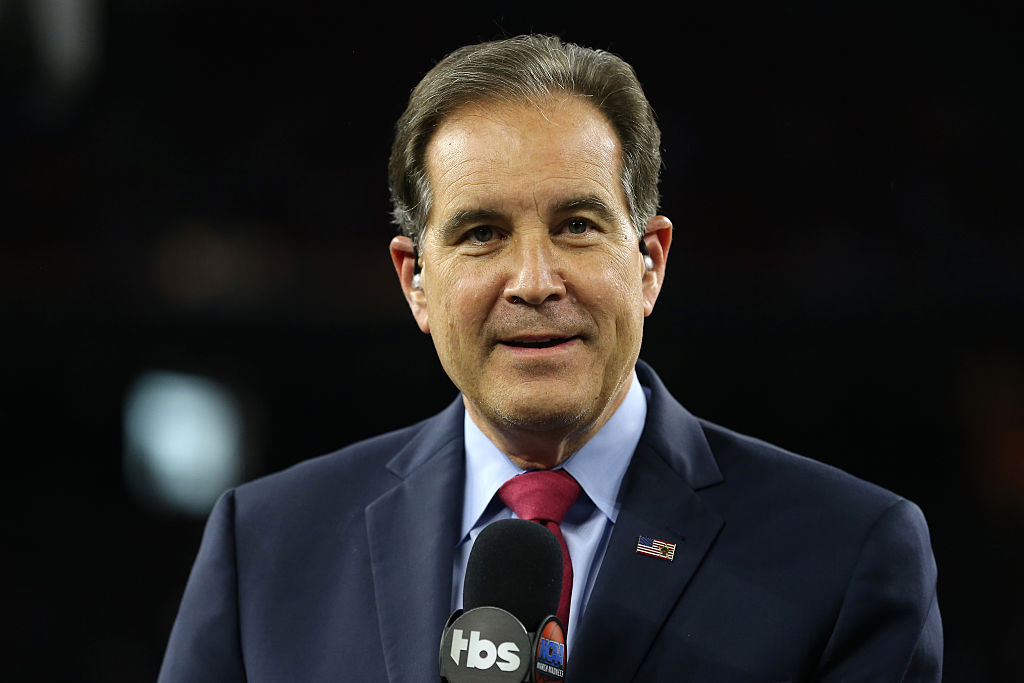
533,286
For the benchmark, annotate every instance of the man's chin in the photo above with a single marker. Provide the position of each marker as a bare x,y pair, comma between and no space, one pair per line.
537,411
553,403
539,418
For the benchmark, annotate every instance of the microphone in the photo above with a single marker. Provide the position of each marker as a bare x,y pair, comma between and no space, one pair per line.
507,631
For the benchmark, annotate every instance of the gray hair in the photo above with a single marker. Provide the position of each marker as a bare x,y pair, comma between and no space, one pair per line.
525,68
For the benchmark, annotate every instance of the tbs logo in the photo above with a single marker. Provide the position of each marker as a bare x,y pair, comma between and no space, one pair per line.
482,653
484,639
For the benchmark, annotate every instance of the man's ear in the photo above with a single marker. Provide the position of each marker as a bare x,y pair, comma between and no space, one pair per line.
403,256
658,239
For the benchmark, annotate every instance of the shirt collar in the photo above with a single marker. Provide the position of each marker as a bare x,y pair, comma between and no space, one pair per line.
599,466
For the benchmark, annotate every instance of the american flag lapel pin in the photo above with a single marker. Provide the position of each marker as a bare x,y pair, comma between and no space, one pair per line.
656,548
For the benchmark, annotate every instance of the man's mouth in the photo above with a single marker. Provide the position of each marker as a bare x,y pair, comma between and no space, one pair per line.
537,342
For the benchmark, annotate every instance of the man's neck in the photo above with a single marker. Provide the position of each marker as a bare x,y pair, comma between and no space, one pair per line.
542,448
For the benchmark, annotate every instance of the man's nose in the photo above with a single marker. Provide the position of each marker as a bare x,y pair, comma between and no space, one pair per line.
537,272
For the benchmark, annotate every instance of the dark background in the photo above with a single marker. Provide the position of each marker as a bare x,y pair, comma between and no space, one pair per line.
206,192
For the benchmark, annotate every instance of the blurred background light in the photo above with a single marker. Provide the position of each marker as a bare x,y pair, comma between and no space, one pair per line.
183,441
68,39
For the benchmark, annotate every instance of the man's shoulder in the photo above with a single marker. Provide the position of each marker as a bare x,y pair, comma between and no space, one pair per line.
351,476
723,463
760,474
744,455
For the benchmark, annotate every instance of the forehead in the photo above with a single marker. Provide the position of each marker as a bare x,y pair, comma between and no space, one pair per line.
520,155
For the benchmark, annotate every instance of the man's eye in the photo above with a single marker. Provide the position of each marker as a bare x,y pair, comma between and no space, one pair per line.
577,226
482,233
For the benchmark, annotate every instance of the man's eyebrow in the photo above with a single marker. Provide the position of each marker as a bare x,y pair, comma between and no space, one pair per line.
591,203
464,218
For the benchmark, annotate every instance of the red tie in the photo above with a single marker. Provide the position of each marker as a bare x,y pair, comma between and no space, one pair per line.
544,496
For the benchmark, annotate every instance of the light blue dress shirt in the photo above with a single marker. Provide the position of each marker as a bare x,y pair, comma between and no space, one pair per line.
599,468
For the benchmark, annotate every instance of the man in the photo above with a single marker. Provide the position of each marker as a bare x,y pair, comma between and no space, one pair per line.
524,179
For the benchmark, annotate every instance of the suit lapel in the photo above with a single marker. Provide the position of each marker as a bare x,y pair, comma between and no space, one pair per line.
634,593
413,531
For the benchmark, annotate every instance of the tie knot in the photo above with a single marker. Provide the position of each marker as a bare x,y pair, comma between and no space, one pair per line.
543,495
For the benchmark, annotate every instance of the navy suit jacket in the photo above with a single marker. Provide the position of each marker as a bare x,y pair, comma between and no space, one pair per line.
340,568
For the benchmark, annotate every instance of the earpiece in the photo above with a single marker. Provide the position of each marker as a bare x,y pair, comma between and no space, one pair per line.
648,261
417,281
